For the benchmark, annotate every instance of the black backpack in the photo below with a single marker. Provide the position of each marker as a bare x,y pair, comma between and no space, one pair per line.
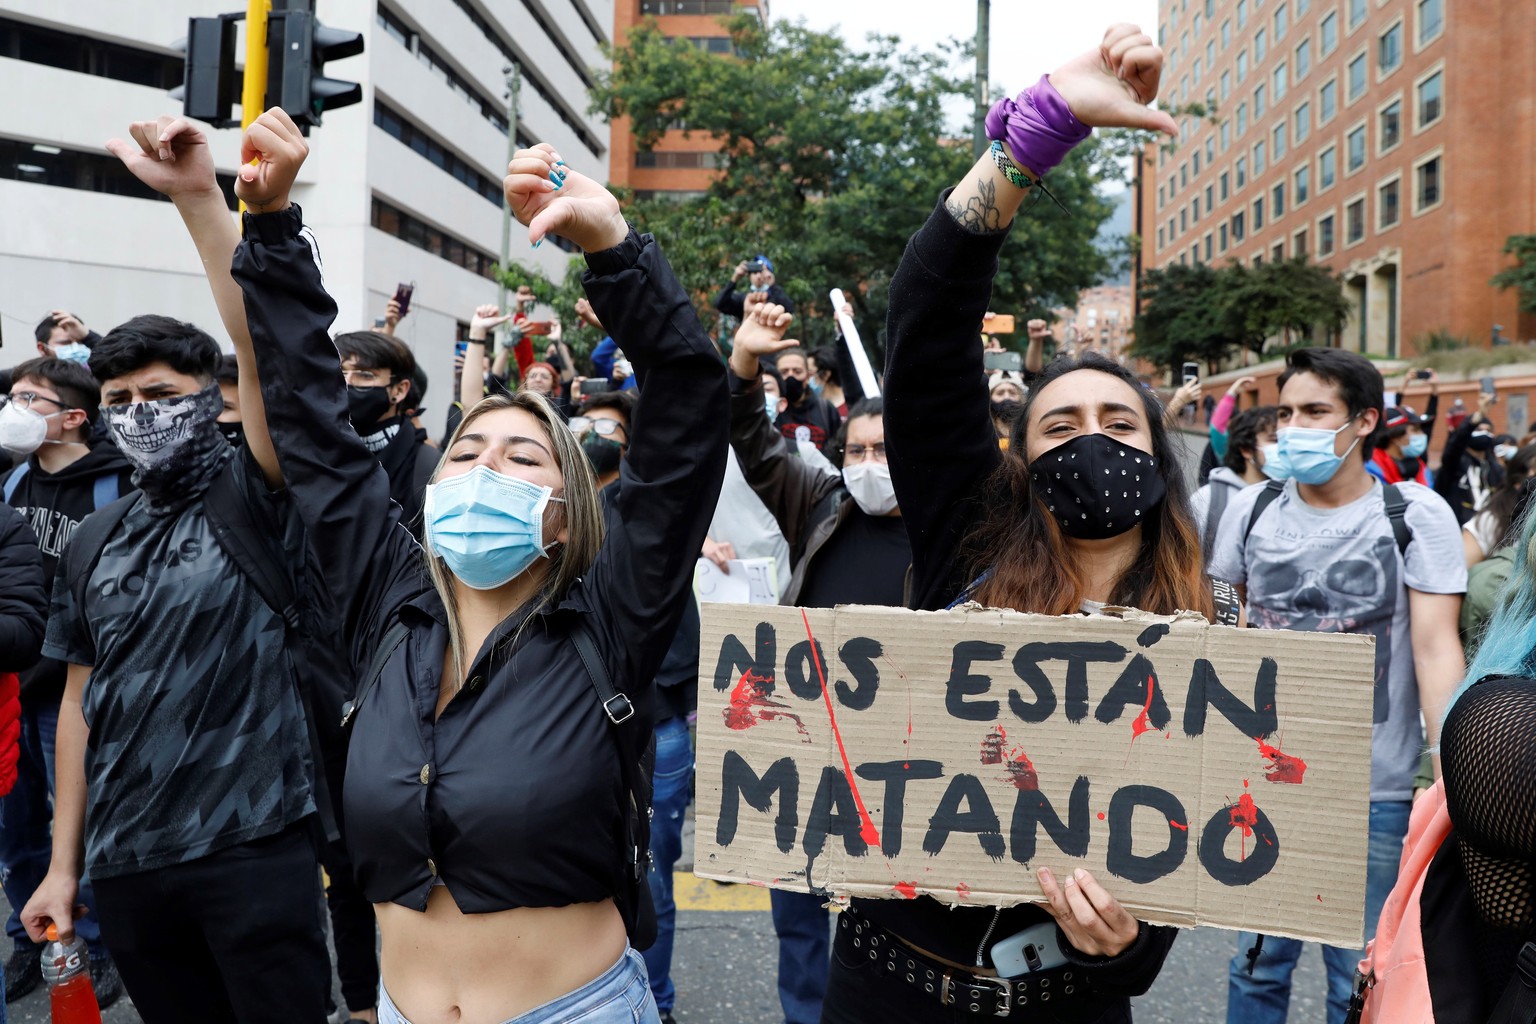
245,544
637,761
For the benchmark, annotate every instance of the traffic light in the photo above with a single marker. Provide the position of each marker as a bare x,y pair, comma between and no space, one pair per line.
298,48
211,82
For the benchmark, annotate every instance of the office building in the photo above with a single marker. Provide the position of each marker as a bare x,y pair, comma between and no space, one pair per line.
1393,141
404,187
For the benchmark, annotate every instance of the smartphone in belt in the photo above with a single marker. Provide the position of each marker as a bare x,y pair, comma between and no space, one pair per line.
1030,951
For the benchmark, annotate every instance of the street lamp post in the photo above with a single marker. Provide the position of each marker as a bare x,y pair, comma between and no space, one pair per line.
514,74
983,46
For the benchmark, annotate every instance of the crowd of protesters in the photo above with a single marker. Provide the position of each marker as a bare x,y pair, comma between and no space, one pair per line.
254,620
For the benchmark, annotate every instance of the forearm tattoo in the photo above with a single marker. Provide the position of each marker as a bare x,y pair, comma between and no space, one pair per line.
979,213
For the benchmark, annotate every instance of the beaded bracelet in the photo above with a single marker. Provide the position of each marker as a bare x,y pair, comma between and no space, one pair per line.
1010,169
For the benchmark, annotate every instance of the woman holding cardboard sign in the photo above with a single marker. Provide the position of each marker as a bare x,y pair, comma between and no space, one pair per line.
1021,531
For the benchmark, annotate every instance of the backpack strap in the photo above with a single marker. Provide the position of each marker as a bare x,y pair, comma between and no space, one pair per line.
1518,1004
14,480
1397,515
1220,495
1265,499
103,492
393,638
87,542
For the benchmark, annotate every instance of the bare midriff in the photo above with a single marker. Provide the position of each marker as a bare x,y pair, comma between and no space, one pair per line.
447,967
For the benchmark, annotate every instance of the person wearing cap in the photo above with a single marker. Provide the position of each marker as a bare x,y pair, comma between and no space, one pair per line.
759,274
1471,470
1401,452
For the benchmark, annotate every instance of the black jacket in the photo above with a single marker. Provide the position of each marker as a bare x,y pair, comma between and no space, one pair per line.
53,504
23,606
512,795
409,462
1456,464
942,446
729,301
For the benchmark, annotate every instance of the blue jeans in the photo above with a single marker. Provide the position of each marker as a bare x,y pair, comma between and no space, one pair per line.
1265,997
26,829
619,995
805,953
669,799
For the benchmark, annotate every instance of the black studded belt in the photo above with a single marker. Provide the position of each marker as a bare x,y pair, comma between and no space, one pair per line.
951,986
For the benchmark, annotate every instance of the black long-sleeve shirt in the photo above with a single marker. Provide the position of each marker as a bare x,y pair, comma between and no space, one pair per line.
23,603
942,449
730,301
512,795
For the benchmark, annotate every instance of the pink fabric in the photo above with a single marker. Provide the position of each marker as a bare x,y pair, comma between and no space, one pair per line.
1223,414
1401,992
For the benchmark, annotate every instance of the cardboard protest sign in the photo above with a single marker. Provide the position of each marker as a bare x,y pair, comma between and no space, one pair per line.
1206,775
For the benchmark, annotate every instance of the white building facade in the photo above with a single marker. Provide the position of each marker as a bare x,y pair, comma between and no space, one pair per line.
404,187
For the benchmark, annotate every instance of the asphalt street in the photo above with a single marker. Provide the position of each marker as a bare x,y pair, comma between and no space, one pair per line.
726,954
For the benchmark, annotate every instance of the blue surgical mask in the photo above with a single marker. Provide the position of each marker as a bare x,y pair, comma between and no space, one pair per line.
74,352
1415,445
486,525
1275,467
1309,454
771,406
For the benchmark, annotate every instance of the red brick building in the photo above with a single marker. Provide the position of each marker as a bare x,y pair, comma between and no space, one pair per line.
682,163
1393,141
1101,320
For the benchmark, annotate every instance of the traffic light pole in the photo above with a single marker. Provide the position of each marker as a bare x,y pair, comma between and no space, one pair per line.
253,95
514,74
983,48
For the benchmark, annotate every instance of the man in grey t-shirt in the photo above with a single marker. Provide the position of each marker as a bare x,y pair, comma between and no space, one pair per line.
1323,555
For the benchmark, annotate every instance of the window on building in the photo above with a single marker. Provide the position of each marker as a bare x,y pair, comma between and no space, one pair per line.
87,55
1242,119
1325,236
1242,65
1226,135
665,8
1303,184
1279,80
1207,247
1258,213
1354,222
1299,243
1302,7
1183,175
1221,234
1388,204
1194,210
1328,34
1431,20
1356,76
1303,60
1303,122
1260,152
1210,195
1226,85
1389,49
1277,200
1426,184
1391,122
61,167
1210,9
1222,186
1242,13
696,160
1280,21
1259,100
1226,34
394,221
1241,170
1260,46
1210,53
1354,149
1277,139
398,126
1430,99
1327,101
1197,24
1210,151
1183,220
1327,168
1197,71
1356,13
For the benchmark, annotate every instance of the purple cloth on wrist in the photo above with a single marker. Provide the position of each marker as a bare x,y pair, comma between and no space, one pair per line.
1038,126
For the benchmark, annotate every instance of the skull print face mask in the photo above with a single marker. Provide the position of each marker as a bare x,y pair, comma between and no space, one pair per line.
169,440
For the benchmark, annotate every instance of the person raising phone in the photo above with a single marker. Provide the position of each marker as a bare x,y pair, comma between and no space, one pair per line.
995,528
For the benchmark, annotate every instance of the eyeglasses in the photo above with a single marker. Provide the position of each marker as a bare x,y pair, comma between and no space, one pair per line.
856,452
24,400
601,427
366,378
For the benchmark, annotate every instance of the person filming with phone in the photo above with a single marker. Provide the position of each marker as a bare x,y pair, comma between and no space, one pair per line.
758,270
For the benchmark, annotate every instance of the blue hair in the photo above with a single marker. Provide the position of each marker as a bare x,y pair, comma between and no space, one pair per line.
1509,640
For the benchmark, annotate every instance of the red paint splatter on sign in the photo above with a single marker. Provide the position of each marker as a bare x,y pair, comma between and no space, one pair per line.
867,831
1101,815
964,891
1244,815
1021,770
750,704
1282,767
1142,723
1319,897
1179,826
906,890
992,746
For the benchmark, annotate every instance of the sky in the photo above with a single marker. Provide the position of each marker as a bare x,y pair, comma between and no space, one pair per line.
1029,37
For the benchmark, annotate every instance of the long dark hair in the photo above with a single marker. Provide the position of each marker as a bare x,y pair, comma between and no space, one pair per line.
1030,567
1504,503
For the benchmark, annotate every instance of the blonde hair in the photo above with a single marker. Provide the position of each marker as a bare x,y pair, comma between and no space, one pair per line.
582,510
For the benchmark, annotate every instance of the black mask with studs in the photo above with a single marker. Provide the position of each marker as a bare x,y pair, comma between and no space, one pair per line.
1097,487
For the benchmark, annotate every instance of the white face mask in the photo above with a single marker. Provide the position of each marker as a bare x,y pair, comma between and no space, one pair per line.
22,431
870,485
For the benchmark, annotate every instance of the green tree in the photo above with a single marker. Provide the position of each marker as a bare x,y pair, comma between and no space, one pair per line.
1278,299
832,158
1521,276
1179,317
